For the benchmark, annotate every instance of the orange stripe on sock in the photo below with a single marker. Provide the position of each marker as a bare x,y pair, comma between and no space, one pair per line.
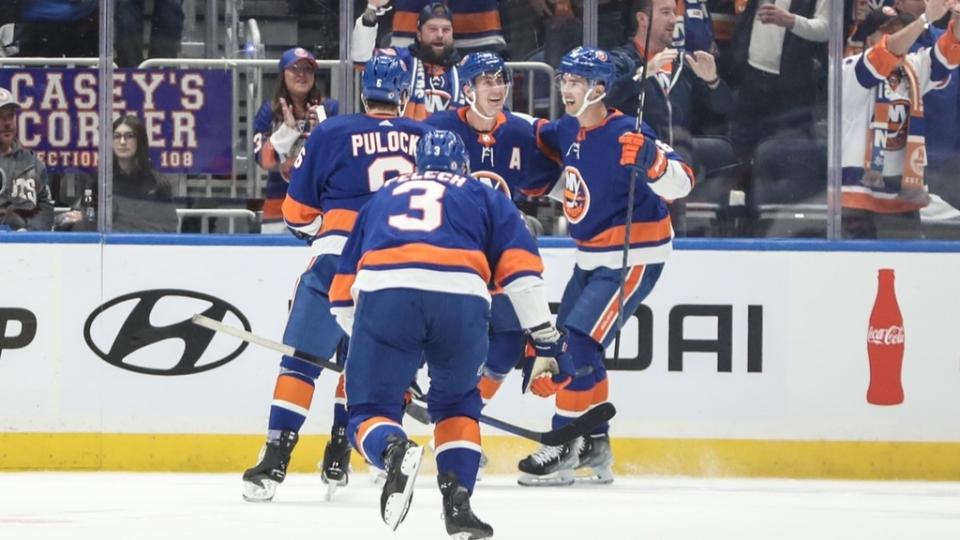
488,387
368,425
457,428
341,391
293,390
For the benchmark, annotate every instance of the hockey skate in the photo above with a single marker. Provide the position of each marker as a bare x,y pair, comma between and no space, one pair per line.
335,467
595,455
260,481
459,519
550,465
402,459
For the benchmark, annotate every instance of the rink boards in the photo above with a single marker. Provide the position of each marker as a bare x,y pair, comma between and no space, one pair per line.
750,360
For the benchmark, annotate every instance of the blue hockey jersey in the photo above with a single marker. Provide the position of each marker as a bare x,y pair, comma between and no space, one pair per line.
507,157
595,192
344,161
436,231
433,88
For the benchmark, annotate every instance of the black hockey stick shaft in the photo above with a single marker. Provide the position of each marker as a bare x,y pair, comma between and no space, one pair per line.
582,425
632,190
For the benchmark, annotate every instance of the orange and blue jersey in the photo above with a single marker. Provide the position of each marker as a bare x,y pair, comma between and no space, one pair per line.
433,87
344,161
507,156
595,192
436,231
269,159
476,23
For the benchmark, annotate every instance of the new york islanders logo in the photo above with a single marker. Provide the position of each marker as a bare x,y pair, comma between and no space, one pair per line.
494,181
576,195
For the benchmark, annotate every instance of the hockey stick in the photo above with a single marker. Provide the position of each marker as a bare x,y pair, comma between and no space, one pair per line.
580,426
624,269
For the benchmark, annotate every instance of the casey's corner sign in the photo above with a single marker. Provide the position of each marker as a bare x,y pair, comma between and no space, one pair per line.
187,115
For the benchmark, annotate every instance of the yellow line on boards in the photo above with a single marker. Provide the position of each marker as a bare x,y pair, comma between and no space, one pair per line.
688,457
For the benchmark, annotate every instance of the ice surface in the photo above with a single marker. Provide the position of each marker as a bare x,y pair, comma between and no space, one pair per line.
173,506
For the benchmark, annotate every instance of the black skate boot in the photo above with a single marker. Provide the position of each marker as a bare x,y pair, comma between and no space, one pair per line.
461,522
402,460
550,465
260,481
335,467
595,454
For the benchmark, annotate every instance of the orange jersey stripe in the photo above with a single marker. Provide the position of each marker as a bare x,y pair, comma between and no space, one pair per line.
338,220
273,209
340,287
601,392
293,390
653,231
574,400
881,59
298,213
513,261
474,23
457,428
865,201
425,253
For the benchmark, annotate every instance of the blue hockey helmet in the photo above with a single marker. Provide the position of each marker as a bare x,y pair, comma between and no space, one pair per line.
385,78
591,64
442,150
475,64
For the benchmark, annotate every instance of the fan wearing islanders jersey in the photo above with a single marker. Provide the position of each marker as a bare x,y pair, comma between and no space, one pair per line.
431,60
411,285
503,153
600,148
344,161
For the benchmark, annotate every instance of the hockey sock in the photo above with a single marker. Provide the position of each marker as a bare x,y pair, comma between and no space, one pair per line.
601,392
291,396
340,415
371,438
458,449
489,384
578,396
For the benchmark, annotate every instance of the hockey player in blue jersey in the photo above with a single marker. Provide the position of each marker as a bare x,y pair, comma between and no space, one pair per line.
599,147
503,153
344,161
412,284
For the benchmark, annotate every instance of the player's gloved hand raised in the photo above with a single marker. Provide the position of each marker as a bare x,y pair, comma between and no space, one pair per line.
547,367
643,154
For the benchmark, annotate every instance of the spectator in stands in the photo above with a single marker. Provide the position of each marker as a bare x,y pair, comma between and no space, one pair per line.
883,90
282,126
773,64
431,59
680,87
476,24
56,28
142,197
25,200
166,30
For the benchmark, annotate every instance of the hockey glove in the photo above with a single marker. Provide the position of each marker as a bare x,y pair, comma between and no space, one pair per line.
642,153
548,367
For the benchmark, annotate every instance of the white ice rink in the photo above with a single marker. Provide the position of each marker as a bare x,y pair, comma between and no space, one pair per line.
128,506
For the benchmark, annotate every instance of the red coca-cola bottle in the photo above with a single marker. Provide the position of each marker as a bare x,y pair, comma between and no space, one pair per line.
885,344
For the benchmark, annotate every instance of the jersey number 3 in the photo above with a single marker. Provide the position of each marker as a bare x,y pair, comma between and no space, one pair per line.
427,198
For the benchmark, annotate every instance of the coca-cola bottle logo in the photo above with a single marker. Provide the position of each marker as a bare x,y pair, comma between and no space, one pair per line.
892,335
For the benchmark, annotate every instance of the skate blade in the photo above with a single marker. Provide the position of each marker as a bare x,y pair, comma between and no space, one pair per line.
600,476
558,478
467,536
399,503
254,493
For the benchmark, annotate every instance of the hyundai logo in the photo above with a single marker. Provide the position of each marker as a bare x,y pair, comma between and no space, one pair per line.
142,330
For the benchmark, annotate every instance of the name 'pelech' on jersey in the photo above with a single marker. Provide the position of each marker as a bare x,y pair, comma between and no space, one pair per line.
345,160
506,157
436,231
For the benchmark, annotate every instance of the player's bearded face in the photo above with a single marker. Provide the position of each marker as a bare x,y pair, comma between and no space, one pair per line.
8,127
573,90
436,40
